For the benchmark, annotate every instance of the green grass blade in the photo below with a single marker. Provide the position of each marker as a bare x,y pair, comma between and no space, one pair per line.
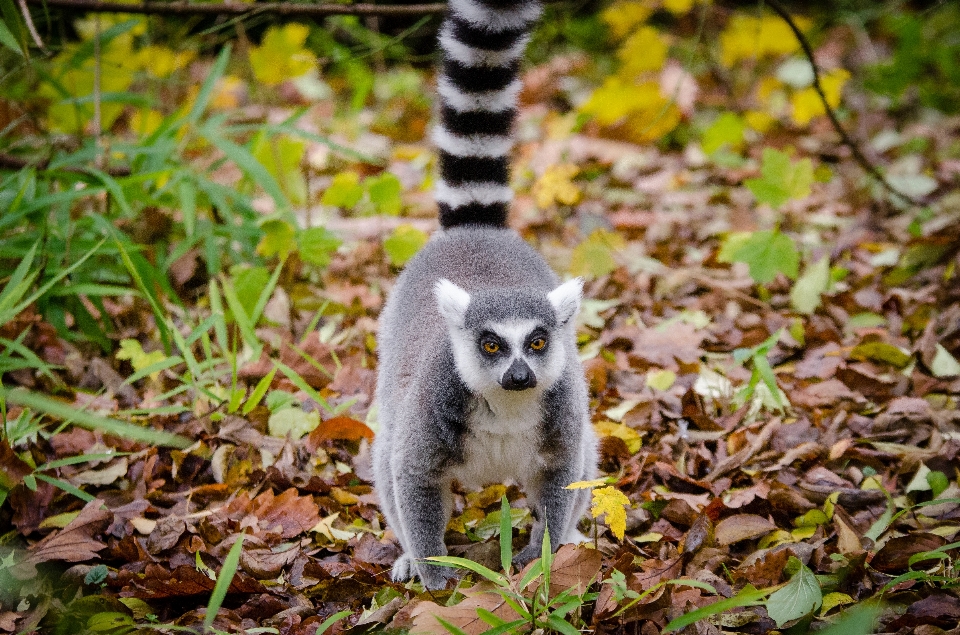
748,596
206,90
506,627
463,563
224,579
170,362
65,486
300,383
242,319
327,623
266,293
506,535
81,458
92,421
456,630
148,293
258,392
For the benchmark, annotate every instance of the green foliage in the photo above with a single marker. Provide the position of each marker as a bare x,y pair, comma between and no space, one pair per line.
403,244
798,598
781,179
925,60
767,253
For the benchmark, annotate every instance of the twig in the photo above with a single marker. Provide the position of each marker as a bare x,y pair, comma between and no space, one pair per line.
11,162
30,26
858,155
236,8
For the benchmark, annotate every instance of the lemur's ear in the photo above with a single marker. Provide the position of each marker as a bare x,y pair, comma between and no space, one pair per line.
566,299
452,301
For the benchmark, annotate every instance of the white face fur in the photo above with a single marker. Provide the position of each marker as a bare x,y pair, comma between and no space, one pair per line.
515,357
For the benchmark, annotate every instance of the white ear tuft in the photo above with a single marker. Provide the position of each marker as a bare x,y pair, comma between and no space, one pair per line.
566,299
452,301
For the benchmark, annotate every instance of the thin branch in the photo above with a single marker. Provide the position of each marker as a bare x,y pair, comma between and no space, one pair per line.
12,162
179,7
858,154
28,19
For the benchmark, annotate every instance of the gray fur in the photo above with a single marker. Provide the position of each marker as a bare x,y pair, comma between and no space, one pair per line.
445,415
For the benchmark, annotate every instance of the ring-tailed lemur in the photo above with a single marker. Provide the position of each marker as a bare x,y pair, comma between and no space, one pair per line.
479,378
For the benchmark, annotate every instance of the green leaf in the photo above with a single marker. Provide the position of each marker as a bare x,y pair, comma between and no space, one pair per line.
223,582
506,535
345,190
279,239
403,244
859,620
293,421
806,292
206,91
765,252
938,482
247,283
96,575
801,596
726,130
317,245
780,179
385,190
881,352
594,257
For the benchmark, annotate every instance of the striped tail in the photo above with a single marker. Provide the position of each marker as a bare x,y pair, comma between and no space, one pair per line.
482,42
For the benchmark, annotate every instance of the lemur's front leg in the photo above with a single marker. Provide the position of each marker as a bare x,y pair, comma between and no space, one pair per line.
553,506
423,515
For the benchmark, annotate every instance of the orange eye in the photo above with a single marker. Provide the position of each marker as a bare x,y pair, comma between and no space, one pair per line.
538,344
491,347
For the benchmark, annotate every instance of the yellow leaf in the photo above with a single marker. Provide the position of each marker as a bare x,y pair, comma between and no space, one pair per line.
622,17
132,350
594,257
556,186
748,37
597,482
759,120
611,502
643,112
806,103
661,379
161,61
281,55
645,50
629,436
678,7
145,121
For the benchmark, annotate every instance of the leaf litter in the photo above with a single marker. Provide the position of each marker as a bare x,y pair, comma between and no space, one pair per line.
771,352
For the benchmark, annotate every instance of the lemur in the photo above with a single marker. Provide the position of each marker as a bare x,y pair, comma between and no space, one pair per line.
479,378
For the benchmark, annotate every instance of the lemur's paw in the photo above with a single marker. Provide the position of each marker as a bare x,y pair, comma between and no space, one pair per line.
402,569
525,555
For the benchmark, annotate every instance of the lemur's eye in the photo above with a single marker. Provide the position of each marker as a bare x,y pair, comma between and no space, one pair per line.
491,347
538,344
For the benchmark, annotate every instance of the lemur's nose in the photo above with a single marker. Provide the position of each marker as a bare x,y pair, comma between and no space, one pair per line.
519,376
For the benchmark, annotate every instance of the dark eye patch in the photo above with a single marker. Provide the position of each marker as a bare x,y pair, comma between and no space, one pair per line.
492,345
537,334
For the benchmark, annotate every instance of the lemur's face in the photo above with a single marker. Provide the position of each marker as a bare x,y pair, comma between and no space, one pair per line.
510,340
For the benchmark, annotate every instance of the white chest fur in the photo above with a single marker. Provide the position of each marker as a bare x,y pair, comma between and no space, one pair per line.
502,442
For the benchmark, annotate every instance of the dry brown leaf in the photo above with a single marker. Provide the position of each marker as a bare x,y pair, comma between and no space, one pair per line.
294,514
574,567
742,527
463,615
74,543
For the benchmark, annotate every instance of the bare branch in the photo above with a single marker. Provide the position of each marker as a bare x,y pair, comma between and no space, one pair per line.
858,154
30,26
179,7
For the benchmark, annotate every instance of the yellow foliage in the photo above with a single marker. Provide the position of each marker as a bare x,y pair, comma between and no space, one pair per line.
678,7
556,186
629,436
133,351
118,65
645,50
597,482
613,503
281,55
645,114
806,103
161,61
748,37
759,120
622,17
145,121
